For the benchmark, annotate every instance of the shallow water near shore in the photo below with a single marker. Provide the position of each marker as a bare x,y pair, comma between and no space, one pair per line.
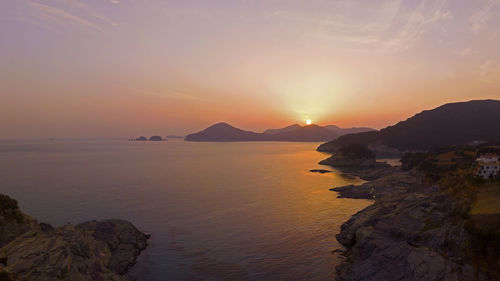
216,211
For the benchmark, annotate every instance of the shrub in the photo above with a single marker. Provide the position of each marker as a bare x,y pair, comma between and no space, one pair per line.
358,150
7,203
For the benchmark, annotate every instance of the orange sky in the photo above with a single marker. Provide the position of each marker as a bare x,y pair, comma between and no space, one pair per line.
73,68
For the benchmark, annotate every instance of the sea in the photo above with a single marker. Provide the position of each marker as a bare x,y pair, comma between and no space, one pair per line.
215,211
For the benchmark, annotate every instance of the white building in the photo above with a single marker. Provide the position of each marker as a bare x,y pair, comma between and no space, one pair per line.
488,158
488,166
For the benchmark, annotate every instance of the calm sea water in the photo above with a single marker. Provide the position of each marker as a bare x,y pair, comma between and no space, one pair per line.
216,211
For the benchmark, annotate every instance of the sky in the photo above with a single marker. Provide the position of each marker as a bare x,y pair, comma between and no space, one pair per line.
123,68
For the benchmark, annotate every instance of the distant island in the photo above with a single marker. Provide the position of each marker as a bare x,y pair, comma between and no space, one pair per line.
450,124
223,132
152,138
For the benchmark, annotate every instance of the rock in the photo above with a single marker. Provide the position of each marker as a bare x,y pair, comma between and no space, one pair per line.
155,138
12,221
340,160
413,231
354,192
321,171
123,239
96,250
141,138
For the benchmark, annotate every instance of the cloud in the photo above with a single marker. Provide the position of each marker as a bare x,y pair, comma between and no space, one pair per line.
391,25
85,9
164,94
489,71
61,14
74,11
466,52
480,18
417,22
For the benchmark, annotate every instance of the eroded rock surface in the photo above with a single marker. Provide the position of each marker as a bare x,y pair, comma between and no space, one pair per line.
96,250
413,231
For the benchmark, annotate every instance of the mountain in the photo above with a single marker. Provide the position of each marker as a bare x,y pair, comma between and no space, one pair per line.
346,131
449,124
224,132
338,131
282,130
307,133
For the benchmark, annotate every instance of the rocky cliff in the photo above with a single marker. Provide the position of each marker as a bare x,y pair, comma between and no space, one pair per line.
413,231
96,250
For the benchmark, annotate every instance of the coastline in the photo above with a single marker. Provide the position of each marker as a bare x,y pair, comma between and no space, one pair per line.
99,250
412,231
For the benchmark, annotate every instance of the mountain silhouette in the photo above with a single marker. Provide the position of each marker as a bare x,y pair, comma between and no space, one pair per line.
282,130
224,132
449,124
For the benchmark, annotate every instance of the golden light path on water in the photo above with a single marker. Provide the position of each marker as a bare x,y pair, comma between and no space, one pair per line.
216,211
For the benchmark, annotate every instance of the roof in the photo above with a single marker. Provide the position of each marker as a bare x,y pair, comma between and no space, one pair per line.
488,163
488,155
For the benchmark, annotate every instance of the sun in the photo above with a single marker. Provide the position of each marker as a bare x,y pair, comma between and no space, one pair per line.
308,122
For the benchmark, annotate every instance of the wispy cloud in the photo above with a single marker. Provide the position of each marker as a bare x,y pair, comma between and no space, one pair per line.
61,14
466,52
72,11
391,25
164,94
480,18
92,12
417,23
489,71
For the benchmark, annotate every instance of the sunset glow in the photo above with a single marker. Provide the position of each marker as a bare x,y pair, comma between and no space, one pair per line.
296,140
119,68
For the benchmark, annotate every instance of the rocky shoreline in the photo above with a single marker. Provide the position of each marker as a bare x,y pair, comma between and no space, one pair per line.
412,231
94,250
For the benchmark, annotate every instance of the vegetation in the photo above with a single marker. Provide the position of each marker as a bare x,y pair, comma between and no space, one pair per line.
9,209
7,203
451,168
5,276
454,123
439,162
485,248
358,151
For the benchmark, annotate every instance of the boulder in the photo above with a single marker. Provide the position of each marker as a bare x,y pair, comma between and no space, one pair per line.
321,171
96,250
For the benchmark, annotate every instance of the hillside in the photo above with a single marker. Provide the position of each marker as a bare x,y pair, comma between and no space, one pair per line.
223,132
346,131
307,133
282,130
430,220
453,123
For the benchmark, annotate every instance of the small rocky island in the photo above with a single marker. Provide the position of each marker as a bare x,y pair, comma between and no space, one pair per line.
152,138
431,220
94,250
156,138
